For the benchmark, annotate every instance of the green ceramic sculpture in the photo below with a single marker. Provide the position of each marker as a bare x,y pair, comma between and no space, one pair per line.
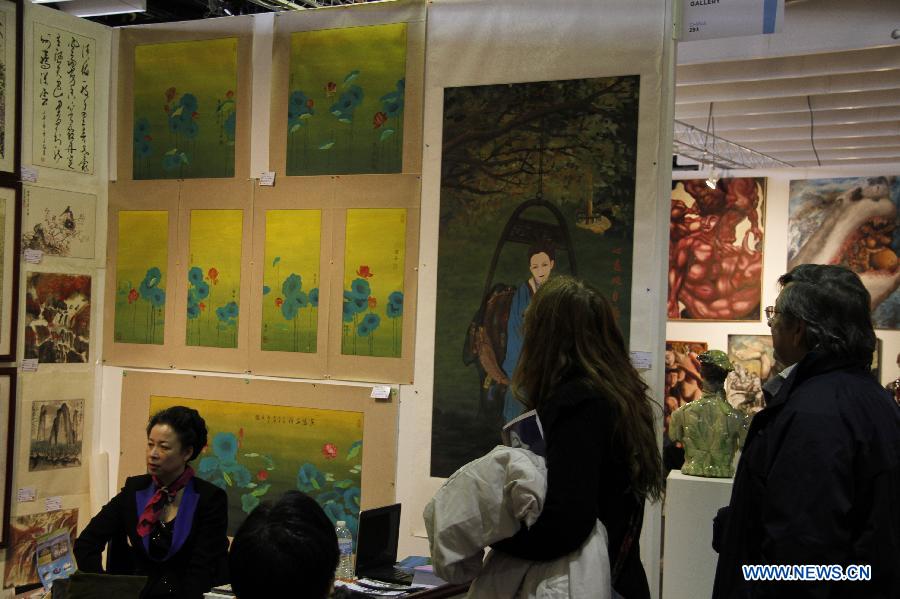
709,428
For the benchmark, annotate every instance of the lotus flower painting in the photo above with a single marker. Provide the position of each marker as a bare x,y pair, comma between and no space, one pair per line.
141,282
185,109
372,309
214,278
290,292
347,90
256,452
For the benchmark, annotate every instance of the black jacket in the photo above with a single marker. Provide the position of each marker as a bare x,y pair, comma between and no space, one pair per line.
587,479
193,569
818,483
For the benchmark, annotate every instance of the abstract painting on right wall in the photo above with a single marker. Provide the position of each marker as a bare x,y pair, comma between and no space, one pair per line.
851,221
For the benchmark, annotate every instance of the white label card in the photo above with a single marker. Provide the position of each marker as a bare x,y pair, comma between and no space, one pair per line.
381,392
33,256
30,365
51,504
29,174
642,360
26,494
267,178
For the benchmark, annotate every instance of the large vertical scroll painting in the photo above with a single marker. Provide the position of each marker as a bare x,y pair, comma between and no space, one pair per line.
716,249
851,221
374,258
185,113
257,452
536,179
346,98
141,264
63,103
290,293
214,278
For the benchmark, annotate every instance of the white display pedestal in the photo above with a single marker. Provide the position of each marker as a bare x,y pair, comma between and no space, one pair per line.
689,562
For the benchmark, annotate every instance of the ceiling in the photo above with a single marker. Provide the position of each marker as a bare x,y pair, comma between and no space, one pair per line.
831,98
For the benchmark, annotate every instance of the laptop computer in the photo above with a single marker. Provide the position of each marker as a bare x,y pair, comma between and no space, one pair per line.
376,545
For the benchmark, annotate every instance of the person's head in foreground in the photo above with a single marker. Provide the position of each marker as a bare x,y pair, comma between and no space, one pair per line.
175,436
570,332
288,549
824,308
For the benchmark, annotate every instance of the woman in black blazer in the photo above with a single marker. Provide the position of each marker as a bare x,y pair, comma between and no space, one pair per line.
167,525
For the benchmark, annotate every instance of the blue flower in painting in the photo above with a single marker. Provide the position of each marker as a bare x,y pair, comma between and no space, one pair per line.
348,312
220,314
193,311
309,478
225,446
314,297
292,285
266,289
249,501
208,468
393,102
351,498
289,308
360,304
191,129
202,290
231,309
335,511
361,289
157,297
396,297
195,275
153,277
189,103
362,330
393,310
236,473
176,124
328,497
172,161
299,107
372,320
348,102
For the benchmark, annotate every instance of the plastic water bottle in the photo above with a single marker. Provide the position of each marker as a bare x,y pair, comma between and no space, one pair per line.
345,545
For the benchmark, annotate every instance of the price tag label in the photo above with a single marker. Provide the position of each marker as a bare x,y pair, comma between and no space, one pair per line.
29,174
33,256
267,178
381,392
642,360
26,494
51,504
30,365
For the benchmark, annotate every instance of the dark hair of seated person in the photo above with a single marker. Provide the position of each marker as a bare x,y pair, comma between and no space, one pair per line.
288,549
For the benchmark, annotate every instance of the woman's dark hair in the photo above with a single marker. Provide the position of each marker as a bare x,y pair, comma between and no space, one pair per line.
289,549
835,306
570,332
544,246
187,424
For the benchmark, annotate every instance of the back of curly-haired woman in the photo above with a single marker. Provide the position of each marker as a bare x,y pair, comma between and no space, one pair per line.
603,459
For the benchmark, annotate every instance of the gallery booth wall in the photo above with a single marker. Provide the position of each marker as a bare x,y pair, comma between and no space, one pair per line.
464,45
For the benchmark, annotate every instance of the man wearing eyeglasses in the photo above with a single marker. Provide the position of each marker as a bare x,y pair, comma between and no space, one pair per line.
818,482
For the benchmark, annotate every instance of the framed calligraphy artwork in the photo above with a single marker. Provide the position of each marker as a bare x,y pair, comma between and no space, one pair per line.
9,88
7,446
63,65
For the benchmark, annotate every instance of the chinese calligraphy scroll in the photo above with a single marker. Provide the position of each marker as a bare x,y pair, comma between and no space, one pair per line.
63,96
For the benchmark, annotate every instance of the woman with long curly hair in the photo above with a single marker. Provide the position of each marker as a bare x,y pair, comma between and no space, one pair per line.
603,459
